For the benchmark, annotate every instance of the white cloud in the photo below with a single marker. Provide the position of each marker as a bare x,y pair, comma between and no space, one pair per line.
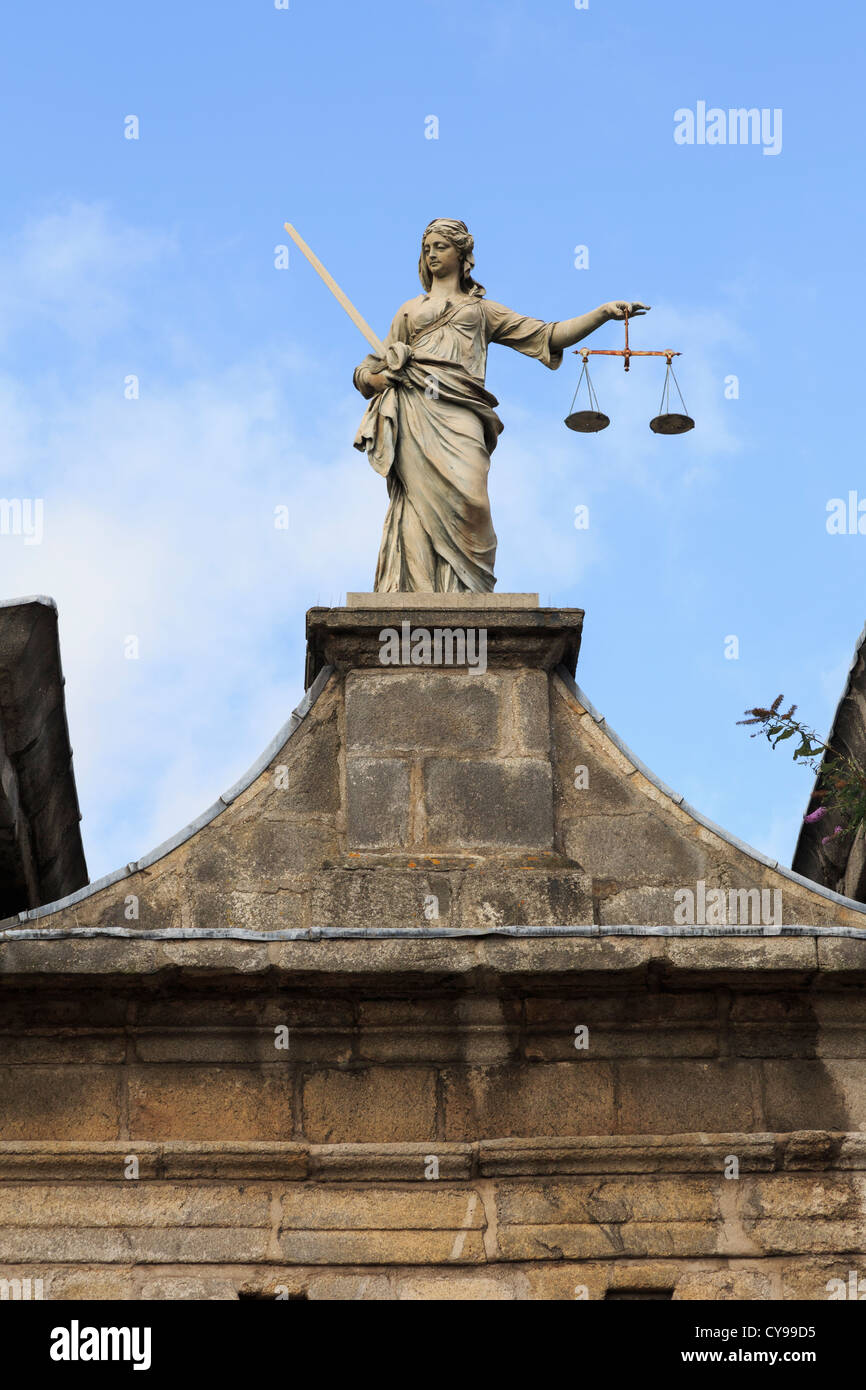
72,269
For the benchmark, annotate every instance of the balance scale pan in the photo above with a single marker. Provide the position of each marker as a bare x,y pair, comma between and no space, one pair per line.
587,421
672,424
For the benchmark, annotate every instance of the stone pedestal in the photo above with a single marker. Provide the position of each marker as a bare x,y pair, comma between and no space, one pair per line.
447,719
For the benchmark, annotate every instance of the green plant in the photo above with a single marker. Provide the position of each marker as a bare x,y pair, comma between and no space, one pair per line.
841,779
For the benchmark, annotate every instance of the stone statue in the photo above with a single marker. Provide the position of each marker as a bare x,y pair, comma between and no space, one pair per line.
431,427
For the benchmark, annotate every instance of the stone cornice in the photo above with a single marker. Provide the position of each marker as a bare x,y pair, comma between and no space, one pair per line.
530,638
593,1155
795,957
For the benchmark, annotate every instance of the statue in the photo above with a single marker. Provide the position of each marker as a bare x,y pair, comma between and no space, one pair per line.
431,426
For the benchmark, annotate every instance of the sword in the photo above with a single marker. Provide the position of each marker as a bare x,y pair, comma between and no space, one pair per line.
338,294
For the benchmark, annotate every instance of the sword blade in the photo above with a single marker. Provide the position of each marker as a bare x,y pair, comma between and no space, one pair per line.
340,295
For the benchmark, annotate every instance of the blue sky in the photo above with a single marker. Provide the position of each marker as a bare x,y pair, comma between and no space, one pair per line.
155,258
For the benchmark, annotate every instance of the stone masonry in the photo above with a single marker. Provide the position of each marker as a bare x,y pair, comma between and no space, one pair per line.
417,1011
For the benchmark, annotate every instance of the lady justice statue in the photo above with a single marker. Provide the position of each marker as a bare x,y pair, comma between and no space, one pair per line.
431,427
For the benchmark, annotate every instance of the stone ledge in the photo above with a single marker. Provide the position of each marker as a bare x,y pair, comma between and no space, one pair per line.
802,1151
714,1278
418,956
527,638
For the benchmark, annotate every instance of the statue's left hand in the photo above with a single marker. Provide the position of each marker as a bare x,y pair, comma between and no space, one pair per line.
618,308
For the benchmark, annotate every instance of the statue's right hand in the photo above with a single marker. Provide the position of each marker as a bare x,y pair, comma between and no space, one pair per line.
618,308
396,356
379,381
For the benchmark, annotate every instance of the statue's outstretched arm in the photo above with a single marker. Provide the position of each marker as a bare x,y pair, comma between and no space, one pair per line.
570,331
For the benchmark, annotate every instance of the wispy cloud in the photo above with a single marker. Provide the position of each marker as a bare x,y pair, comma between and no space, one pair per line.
72,269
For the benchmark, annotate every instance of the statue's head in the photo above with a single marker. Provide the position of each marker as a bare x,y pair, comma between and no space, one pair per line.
445,246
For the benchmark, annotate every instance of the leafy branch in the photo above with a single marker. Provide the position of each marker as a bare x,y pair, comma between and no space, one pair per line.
841,778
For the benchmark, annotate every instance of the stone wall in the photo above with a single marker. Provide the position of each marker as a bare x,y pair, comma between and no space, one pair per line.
408,1014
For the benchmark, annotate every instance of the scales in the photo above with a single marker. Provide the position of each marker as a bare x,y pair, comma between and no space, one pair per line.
592,420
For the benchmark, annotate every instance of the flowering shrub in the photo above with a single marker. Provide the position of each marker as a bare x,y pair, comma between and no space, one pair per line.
841,780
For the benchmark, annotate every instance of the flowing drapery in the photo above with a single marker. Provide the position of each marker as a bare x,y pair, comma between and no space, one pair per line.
431,434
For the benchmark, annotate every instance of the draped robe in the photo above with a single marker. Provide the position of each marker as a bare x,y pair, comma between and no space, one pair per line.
430,434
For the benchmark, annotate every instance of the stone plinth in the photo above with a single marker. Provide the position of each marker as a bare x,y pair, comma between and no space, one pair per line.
516,633
394,603
447,720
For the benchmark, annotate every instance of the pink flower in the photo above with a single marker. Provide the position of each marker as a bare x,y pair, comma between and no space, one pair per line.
816,815
837,831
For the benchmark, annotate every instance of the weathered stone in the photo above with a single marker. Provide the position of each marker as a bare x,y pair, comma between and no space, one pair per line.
522,896
720,1285
638,849
562,1098
667,1097
87,1281
177,1290
74,1102
479,1288
450,1140
803,1095
502,804
252,1044
428,1207
785,1196
527,712
422,710
357,897
617,906
370,1105
586,783
517,637
233,1160
463,1028
270,851
622,1025
66,1048
372,1288
378,802
382,1247
391,1162
210,1102
835,1276
592,1241
805,1237
311,782
156,896
611,1201
131,1202
113,1245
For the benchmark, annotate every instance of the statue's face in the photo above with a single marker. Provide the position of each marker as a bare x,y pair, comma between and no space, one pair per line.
442,258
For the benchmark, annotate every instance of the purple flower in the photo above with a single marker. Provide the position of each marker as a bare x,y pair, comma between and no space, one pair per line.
837,831
816,815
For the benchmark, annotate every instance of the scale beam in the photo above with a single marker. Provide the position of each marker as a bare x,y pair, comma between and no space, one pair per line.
625,352
622,352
